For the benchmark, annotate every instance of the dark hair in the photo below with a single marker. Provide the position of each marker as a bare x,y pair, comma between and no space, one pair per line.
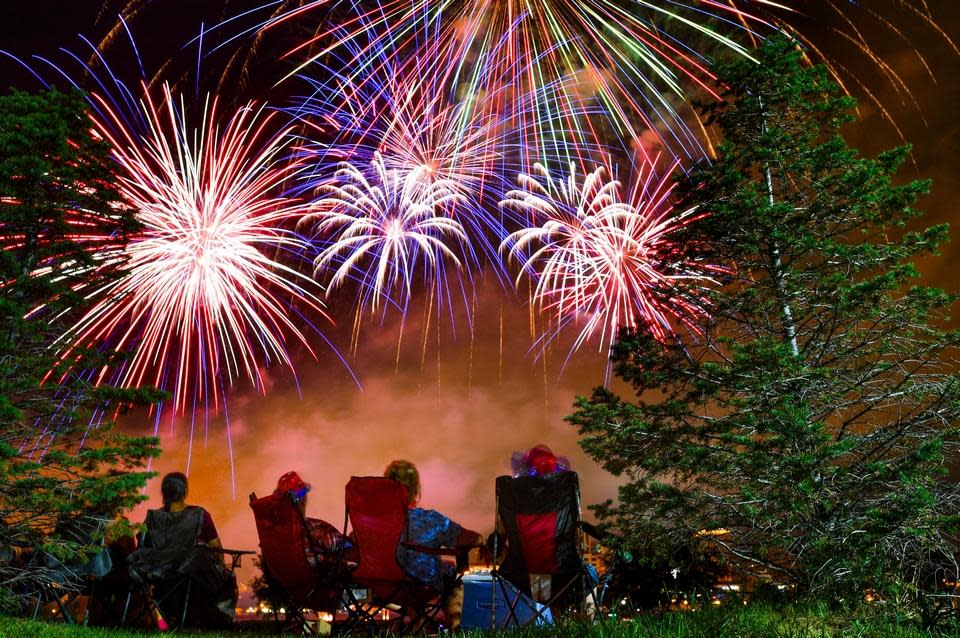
173,488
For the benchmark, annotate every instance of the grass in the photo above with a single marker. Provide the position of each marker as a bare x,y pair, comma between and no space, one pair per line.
753,621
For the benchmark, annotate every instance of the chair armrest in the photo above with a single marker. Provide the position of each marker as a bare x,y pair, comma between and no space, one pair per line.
234,554
460,553
435,551
591,530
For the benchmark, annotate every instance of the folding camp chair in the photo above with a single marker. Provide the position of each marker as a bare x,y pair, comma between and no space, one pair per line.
109,594
65,582
320,584
377,513
63,585
168,564
539,518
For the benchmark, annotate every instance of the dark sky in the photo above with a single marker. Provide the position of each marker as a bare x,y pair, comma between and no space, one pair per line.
457,409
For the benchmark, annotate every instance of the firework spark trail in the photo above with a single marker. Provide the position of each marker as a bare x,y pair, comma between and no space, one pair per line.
202,296
850,22
621,54
417,133
410,110
642,60
384,226
406,118
599,259
208,298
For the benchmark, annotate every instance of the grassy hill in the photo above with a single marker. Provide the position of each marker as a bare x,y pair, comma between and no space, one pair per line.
754,621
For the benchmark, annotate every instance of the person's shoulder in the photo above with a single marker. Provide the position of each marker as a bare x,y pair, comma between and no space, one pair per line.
431,515
204,512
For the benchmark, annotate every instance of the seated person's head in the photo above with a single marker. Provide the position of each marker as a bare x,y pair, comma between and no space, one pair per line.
405,473
538,461
294,487
174,489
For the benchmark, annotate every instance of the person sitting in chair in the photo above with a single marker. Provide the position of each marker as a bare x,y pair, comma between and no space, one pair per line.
541,461
326,541
169,551
173,489
430,528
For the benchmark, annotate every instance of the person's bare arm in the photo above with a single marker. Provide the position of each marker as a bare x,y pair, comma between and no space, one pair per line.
216,544
469,538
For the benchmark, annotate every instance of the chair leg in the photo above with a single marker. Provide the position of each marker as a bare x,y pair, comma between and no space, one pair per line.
515,598
150,604
36,608
511,604
358,616
186,603
126,607
91,594
424,614
67,616
596,615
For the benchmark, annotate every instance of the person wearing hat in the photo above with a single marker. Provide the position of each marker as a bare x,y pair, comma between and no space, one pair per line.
326,541
538,461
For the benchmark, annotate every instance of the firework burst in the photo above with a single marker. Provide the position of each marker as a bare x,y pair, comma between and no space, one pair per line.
203,299
383,226
400,124
419,131
640,61
599,259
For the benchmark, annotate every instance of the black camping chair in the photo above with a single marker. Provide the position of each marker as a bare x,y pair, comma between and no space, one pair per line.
171,570
63,582
68,581
538,519
109,594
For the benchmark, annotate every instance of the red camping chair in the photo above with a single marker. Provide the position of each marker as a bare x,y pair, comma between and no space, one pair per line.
377,512
539,518
285,546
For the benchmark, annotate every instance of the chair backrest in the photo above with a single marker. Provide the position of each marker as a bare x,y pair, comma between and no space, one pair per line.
167,546
283,543
377,510
173,530
539,517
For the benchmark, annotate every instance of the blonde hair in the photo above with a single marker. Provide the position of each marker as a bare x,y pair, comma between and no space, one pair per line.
405,473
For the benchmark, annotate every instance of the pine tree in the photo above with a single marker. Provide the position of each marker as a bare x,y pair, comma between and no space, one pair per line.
63,229
806,431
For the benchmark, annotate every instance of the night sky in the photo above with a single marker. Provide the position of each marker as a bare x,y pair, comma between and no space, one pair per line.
450,404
